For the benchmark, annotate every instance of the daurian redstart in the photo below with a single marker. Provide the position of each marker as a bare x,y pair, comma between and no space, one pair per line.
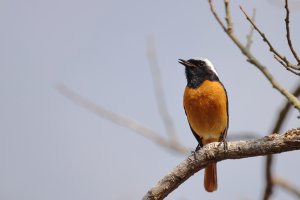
206,107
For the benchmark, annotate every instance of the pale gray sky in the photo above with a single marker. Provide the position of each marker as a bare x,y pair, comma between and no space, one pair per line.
51,148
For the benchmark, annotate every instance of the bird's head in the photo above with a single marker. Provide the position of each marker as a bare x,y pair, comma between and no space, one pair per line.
198,70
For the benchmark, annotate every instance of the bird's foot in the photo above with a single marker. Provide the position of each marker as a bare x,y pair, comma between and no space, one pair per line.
224,141
198,147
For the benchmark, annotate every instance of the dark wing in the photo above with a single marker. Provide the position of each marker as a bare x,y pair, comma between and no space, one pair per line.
224,134
194,133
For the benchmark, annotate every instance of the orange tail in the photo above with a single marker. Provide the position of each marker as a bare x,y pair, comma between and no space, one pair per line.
210,178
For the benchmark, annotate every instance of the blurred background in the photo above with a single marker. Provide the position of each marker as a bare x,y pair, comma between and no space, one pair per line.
51,148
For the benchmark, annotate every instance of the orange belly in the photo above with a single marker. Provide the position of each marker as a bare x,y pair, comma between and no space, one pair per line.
206,110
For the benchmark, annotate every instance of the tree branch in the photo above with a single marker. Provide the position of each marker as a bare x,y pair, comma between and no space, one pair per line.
288,64
212,8
228,17
250,35
121,120
286,67
159,93
287,186
287,21
256,63
282,116
214,152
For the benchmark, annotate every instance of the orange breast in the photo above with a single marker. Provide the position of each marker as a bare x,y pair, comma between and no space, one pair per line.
206,110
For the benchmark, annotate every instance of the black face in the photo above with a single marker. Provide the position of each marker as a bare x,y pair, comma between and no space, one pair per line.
197,63
197,71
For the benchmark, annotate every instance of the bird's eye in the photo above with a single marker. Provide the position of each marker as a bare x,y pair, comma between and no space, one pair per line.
201,63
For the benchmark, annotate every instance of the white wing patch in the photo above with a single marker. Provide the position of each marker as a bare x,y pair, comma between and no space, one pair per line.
208,63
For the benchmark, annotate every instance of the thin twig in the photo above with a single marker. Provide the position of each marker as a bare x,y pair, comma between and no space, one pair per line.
287,21
271,48
159,93
212,8
214,152
281,117
228,17
269,183
287,186
256,63
120,120
287,68
250,35
265,39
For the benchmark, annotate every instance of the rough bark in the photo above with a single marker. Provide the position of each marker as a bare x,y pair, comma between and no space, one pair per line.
214,152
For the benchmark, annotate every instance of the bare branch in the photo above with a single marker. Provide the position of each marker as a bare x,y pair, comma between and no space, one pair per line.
265,39
282,116
120,120
250,35
212,8
214,152
228,17
159,93
269,183
287,21
284,65
256,63
284,111
287,186
271,48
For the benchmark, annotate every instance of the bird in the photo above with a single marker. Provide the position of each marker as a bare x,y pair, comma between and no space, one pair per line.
205,103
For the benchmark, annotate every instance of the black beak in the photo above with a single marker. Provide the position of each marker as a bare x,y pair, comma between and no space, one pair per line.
185,63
